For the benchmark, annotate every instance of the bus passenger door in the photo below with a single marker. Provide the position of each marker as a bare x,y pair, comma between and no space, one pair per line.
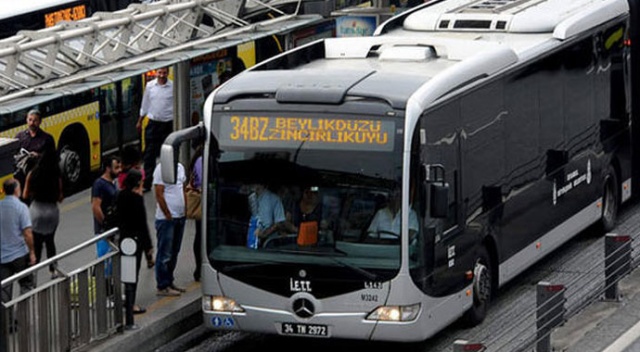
119,110
109,117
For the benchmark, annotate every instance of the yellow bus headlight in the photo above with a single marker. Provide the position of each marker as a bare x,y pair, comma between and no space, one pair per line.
220,304
395,313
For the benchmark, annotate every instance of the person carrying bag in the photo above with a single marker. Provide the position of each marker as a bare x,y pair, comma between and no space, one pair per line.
194,199
194,206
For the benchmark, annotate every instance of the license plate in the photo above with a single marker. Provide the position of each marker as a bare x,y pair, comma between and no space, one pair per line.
304,329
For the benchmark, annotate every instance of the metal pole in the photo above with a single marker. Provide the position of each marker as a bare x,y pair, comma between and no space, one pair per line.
182,95
617,263
549,313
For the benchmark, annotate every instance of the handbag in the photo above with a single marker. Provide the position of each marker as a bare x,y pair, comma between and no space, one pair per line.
194,200
24,161
110,218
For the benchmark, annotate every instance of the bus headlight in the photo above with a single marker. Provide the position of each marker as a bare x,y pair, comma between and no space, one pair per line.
220,304
395,313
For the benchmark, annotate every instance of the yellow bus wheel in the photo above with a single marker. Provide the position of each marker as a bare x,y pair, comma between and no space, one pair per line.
70,164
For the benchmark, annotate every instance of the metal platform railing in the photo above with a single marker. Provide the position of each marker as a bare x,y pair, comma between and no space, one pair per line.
83,305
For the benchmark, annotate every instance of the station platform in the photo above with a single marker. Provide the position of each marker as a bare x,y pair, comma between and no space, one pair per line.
166,318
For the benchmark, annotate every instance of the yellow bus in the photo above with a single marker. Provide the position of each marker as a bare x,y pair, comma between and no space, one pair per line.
8,148
85,122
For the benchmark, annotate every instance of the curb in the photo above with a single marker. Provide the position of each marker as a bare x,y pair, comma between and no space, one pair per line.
158,327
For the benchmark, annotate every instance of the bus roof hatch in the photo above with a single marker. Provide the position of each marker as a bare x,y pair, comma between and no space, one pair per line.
317,88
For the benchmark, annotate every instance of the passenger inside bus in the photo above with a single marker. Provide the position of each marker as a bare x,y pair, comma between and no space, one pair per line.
305,220
268,212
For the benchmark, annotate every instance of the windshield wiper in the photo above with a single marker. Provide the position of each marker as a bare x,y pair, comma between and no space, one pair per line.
230,268
320,253
369,275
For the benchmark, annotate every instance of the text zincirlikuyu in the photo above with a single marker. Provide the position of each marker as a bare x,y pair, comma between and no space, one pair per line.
256,128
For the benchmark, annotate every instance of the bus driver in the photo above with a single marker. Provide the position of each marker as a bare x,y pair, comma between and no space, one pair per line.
386,221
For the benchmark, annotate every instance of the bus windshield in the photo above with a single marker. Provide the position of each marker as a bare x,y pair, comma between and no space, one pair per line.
299,189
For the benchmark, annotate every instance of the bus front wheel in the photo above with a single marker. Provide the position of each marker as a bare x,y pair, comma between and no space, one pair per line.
482,289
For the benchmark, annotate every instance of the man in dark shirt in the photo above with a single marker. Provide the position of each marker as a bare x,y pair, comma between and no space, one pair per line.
35,141
103,196
104,192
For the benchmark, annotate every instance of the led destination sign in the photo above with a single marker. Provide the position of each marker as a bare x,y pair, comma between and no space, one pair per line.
315,133
67,14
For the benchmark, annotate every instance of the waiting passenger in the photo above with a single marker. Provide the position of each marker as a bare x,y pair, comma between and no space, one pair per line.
43,189
131,159
16,240
133,224
36,142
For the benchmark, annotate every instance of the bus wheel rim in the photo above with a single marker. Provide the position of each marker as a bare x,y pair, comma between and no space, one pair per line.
609,202
482,283
70,164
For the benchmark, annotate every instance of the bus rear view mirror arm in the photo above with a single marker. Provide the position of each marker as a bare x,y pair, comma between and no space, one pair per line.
170,151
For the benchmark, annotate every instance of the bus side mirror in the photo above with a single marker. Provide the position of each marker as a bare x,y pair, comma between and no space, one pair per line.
438,190
439,200
169,152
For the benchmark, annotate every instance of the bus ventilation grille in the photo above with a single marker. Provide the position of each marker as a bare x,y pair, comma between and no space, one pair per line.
496,6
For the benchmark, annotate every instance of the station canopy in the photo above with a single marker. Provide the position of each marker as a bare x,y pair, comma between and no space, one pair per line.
109,46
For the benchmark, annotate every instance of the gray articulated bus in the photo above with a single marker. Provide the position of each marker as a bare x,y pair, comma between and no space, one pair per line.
380,188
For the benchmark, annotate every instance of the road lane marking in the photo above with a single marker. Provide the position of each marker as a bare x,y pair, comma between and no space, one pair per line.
625,340
70,206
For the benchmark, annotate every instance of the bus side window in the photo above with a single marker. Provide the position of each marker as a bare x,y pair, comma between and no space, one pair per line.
441,145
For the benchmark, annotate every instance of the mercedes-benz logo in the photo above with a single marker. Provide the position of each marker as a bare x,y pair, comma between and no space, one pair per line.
303,308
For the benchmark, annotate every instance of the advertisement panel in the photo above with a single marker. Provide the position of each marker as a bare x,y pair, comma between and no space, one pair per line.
325,29
356,26
207,72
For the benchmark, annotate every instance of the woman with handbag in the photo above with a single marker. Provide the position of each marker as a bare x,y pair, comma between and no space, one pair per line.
194,208
43,189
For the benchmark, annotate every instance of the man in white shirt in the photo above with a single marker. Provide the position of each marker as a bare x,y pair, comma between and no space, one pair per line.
386,222
157,106
169,224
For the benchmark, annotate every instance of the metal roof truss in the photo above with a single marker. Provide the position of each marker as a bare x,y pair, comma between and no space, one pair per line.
32,58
